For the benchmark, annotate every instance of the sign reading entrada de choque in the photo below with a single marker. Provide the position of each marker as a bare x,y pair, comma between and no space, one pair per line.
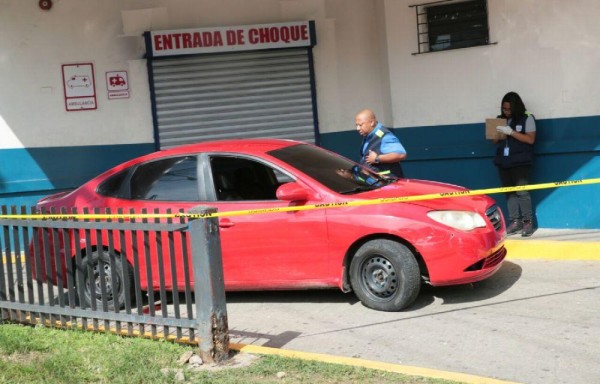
238,38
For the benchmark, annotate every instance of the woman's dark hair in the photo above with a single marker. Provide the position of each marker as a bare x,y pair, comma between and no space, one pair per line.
517,107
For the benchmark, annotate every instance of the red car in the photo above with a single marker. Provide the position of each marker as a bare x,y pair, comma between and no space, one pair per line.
381,252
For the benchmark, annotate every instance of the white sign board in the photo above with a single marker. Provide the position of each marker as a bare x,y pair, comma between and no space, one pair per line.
238,38
117,84
79,86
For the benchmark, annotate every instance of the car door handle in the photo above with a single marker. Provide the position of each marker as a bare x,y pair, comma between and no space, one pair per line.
226,223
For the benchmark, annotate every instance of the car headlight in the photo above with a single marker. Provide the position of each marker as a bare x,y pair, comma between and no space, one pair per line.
458,219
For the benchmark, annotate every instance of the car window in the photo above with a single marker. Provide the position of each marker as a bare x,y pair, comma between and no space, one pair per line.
281,177
114,185
333,171
172,179
240,179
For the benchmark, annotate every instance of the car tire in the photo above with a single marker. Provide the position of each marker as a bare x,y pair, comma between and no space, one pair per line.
115,297
385,275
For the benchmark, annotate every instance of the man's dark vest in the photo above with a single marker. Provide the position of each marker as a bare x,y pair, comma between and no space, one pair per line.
519,153
375,146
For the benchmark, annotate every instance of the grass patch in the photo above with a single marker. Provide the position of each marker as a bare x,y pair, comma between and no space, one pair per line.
46,355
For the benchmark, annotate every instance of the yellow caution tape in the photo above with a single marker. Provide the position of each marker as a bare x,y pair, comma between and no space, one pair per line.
356,203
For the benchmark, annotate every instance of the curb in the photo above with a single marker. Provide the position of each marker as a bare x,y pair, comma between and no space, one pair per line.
370,364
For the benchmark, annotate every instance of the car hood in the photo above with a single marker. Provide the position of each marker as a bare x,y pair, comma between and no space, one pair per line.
414,187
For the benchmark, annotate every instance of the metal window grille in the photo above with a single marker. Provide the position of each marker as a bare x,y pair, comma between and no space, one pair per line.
445,25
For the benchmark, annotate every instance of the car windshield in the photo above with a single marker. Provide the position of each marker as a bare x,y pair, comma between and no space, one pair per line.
333,171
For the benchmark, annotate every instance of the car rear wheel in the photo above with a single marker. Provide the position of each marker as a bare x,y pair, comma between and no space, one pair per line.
385,275
100,263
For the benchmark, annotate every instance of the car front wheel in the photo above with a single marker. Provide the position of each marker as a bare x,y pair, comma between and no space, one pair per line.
385,275
100,264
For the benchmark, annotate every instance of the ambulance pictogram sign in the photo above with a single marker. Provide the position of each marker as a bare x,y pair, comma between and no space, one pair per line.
117,84
79,86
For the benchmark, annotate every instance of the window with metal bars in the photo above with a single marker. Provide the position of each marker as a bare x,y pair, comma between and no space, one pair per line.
448,24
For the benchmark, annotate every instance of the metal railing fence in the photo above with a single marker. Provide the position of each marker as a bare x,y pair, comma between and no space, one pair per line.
159,278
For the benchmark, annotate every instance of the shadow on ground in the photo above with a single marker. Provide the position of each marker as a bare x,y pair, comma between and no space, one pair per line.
494,286
505,278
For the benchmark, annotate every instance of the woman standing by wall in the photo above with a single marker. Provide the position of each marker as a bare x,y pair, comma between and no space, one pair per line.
514,157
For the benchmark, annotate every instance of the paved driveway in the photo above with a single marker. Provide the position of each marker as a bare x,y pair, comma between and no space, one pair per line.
535,321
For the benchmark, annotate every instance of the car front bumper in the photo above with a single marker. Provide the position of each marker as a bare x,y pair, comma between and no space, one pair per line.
462,257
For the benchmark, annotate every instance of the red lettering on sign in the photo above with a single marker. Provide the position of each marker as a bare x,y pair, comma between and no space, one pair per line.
252,38
284,34
176,37
304,32
197,40
166,41
295,33
264,35
205,39
218,39
235,37
187,40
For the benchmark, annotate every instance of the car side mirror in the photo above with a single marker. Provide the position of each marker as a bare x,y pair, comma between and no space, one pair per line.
292,192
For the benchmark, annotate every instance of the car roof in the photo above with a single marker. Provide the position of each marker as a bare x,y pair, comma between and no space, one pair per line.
243,146
247,146
237,145
234,145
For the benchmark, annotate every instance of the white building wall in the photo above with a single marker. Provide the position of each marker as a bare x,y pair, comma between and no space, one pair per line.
35,43
547,51
351,69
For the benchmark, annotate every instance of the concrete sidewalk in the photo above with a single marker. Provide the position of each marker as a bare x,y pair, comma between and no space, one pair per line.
585,235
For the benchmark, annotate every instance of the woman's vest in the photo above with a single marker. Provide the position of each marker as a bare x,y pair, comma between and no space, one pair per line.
375,146
519,153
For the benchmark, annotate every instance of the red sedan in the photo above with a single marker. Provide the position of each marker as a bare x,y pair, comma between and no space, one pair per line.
381,252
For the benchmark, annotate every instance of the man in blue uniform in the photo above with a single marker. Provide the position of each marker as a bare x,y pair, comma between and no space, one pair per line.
381,150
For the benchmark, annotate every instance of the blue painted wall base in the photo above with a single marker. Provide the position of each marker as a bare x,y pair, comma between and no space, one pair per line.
566,149
26,175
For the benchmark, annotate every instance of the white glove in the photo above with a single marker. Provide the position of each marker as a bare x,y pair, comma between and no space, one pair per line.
504,129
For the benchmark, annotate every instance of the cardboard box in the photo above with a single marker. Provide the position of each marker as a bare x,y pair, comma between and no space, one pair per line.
490,129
